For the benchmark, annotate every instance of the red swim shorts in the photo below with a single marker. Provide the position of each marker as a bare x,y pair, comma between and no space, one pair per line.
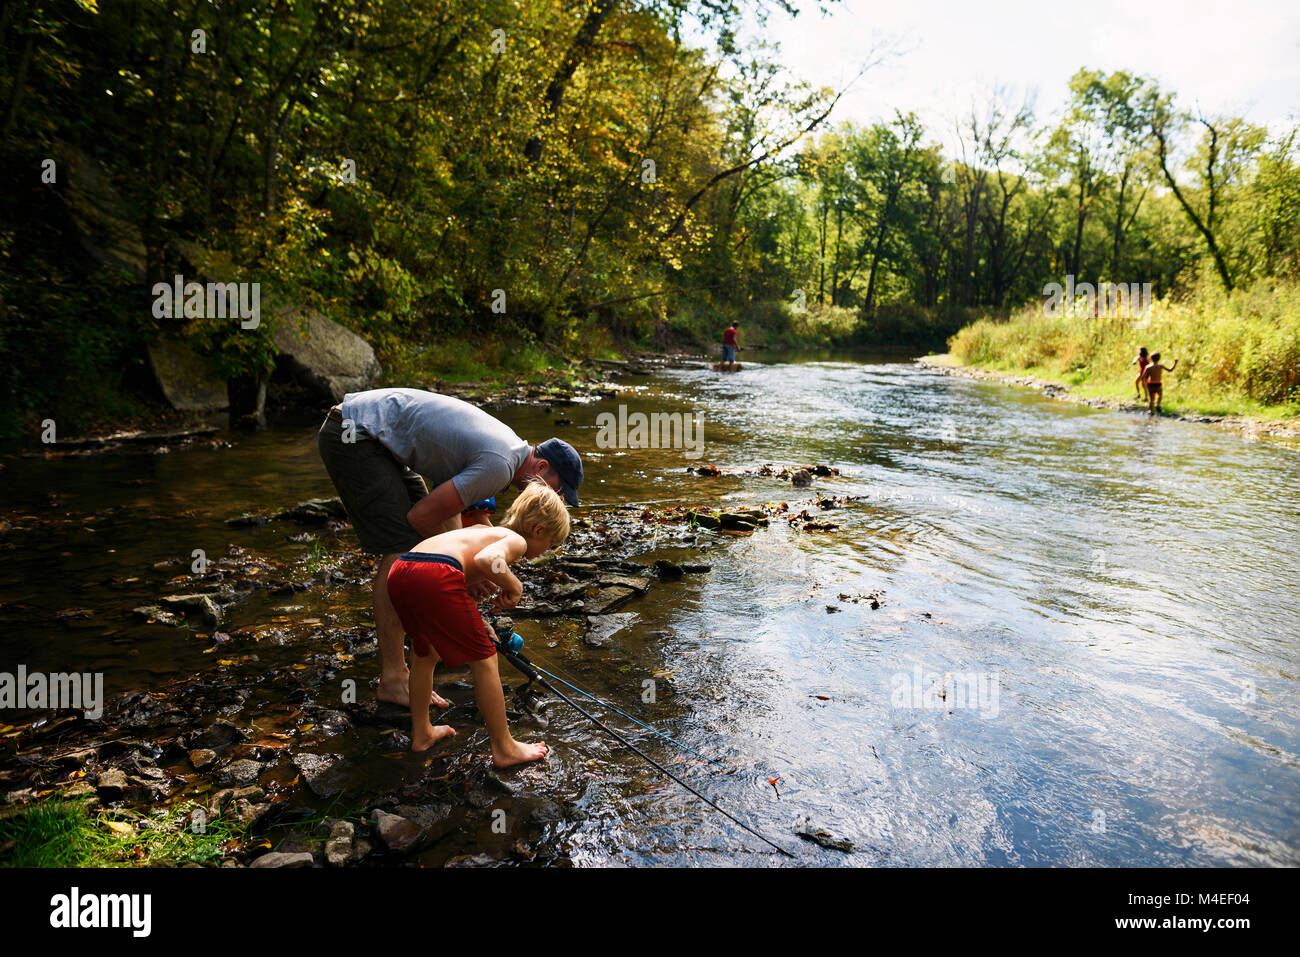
428,592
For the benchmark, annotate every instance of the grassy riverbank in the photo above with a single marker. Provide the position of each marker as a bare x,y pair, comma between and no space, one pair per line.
1238,353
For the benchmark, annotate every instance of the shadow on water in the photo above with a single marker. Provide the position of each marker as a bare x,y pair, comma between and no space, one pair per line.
1082,650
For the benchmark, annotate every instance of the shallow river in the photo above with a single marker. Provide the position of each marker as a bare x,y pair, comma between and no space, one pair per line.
1085,650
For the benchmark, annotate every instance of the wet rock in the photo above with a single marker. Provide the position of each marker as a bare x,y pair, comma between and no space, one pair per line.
158,614
576,568
601,628
202,605
315,511
703,519
398,834
253,794
361,849
804,828
281,859
668,571
247,521
321,773
338,851
330,723
148,789
801,478
736,523
435,820
547,812
79,789
241,772
539,609
608,599
219,800
112,785
217,735
695,568
280,587
471,860
567,590
637,584
248,813
333,827
202,757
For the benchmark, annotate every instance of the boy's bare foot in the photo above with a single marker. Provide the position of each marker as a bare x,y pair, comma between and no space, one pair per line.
422,742
519,753
397,691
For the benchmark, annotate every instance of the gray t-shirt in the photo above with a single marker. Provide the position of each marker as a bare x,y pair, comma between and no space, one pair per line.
441,438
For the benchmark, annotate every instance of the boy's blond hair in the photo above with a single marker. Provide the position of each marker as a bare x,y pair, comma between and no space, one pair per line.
538,504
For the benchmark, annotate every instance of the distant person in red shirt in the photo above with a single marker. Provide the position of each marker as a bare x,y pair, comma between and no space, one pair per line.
729,345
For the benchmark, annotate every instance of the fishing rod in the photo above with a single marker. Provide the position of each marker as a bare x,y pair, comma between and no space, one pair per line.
650,728
509,648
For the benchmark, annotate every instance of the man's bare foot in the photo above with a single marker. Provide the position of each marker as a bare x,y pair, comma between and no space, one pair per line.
519,753
422,742
397,691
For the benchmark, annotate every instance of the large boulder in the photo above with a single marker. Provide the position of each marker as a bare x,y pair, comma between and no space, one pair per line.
323,356
101,216
185,378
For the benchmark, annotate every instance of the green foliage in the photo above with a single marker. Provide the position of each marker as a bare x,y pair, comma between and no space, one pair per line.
404,168
58,833
1237,351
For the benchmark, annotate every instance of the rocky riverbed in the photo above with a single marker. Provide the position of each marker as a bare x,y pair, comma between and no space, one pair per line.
280,740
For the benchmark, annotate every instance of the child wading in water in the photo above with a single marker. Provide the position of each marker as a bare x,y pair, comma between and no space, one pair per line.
1155,388
1142,361
428,589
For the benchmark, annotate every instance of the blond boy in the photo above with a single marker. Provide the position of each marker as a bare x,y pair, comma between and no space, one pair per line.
429,590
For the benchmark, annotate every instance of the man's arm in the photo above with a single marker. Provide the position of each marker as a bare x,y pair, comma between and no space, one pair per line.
428,514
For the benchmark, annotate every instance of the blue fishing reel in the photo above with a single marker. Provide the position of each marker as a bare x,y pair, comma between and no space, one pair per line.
510,643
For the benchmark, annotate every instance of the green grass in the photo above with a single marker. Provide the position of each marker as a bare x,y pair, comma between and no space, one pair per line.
66,833
59,832
1238,353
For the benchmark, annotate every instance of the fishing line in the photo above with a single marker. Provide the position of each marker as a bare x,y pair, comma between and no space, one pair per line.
509,649
650,728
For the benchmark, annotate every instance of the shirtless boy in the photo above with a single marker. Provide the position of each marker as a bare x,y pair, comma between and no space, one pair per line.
1155,389
429,590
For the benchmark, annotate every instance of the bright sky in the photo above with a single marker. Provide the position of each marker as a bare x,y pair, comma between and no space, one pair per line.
1241,58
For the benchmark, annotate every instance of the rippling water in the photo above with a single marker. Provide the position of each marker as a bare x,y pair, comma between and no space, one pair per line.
1107,603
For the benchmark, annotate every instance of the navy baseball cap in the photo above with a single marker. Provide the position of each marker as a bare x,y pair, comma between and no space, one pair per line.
564,459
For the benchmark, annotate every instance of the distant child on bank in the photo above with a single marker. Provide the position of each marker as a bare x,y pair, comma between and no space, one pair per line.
428,589
1155,388
1141,360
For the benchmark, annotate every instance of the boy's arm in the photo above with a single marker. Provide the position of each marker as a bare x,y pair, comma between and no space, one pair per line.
493,562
